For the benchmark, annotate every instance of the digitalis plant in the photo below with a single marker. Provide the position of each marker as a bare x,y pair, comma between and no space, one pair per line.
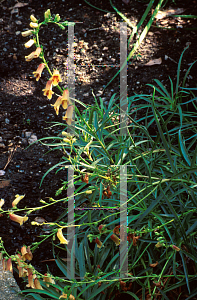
55,77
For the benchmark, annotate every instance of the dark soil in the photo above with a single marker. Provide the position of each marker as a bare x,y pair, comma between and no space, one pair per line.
24,111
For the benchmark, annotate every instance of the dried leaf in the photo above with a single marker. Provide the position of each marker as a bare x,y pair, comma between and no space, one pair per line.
153,62
18,5
154,265
4,183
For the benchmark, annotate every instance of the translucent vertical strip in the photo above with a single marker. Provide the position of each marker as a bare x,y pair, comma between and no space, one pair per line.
123,78
123,222
71,230
71,69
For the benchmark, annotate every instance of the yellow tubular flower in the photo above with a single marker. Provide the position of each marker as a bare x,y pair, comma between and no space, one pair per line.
99,243
38,72
61,237
57,105
68,115
26,253
37,284
33,19
115,239
1,203
33,55
31,280
71,297
56,77
9,265
29,43
33,25
48,279
26,33
17,199
48,89
18,219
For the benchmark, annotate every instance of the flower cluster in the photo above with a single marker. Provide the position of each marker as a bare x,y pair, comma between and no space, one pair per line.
27,270
55,78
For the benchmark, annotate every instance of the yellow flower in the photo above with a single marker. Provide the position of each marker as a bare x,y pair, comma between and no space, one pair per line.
56,77
68,115
17,199
26,33
57,17
18,219
48,89
33,25
29,43
37,284
115,239
38,72
48,279
61,237
62,100
47,14
57,105
26,253
34,54
1,203
33,19
7,265
20,266
31,278
71,297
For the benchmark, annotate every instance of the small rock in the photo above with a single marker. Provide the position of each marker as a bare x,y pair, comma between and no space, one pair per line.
18,23
32,139
5,49
2,172
17,32
28,134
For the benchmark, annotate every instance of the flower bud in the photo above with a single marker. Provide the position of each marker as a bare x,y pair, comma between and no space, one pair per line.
29,43
26,33
47,14
33,19
33,25
57,18
66,140
89,192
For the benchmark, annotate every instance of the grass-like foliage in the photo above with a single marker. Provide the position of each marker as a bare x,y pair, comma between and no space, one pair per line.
161,169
